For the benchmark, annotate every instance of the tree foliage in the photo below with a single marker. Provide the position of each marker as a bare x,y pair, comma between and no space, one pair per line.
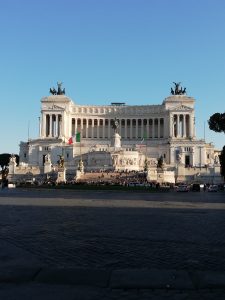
4,159
217,122
222,162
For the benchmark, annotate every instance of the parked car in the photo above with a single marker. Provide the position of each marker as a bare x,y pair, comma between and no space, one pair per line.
182,188
213,188
196,187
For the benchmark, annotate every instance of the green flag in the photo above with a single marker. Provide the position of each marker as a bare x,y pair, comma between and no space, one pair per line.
78,137
144,137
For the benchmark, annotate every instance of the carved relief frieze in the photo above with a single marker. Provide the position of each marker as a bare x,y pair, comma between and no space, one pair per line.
181,108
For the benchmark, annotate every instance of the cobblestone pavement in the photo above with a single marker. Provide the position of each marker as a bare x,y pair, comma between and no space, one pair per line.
118,237
115,230
65,292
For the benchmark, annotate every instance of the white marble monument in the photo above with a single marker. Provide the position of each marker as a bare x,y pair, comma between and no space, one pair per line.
166,129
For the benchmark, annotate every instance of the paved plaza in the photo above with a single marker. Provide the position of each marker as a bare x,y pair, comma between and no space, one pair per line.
57,244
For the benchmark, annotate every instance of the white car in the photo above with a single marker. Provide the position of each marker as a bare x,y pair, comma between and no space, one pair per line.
182,188
213,188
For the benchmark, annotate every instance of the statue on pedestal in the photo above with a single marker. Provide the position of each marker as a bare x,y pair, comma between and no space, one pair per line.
116,143
81,166
160,162
47,164
61,161
12,164
61,177
146,165
12,159
115,125
47,158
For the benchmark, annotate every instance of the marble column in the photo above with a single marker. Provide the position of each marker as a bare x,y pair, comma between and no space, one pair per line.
178,125
63,125
131,128
153,128
109,129
136,129
50,127
98,128
82,128
147,129
125,133
171,125
57,125
174,125
103,129
190,126
163,127
120,127
92,128
87,126
158,128
184,126
193,156
44,125
75,125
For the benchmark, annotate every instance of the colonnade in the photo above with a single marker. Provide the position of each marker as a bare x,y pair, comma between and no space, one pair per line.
51,125
182,126
128,128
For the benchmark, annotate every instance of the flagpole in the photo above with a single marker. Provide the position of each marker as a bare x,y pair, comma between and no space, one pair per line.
145,139
146,149
81,162
204,130
28,131
80,148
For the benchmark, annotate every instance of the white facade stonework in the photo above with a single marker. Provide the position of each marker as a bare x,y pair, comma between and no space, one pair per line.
168,131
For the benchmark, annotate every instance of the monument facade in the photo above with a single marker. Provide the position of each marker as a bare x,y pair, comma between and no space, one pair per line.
119,136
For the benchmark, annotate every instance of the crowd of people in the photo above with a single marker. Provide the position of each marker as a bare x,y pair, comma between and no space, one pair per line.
122,178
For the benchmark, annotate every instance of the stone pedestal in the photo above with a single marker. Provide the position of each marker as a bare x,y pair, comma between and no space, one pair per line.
160,175
164,176
78,174
217,170
47,167
180,173
80,170
127,160
152,174
61,175
116,141
98,160
12,167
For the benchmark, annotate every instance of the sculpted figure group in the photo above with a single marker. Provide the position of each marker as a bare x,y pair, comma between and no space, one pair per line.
60,91
178,90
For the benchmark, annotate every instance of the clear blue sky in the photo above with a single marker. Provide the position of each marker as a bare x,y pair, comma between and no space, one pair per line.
109,50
